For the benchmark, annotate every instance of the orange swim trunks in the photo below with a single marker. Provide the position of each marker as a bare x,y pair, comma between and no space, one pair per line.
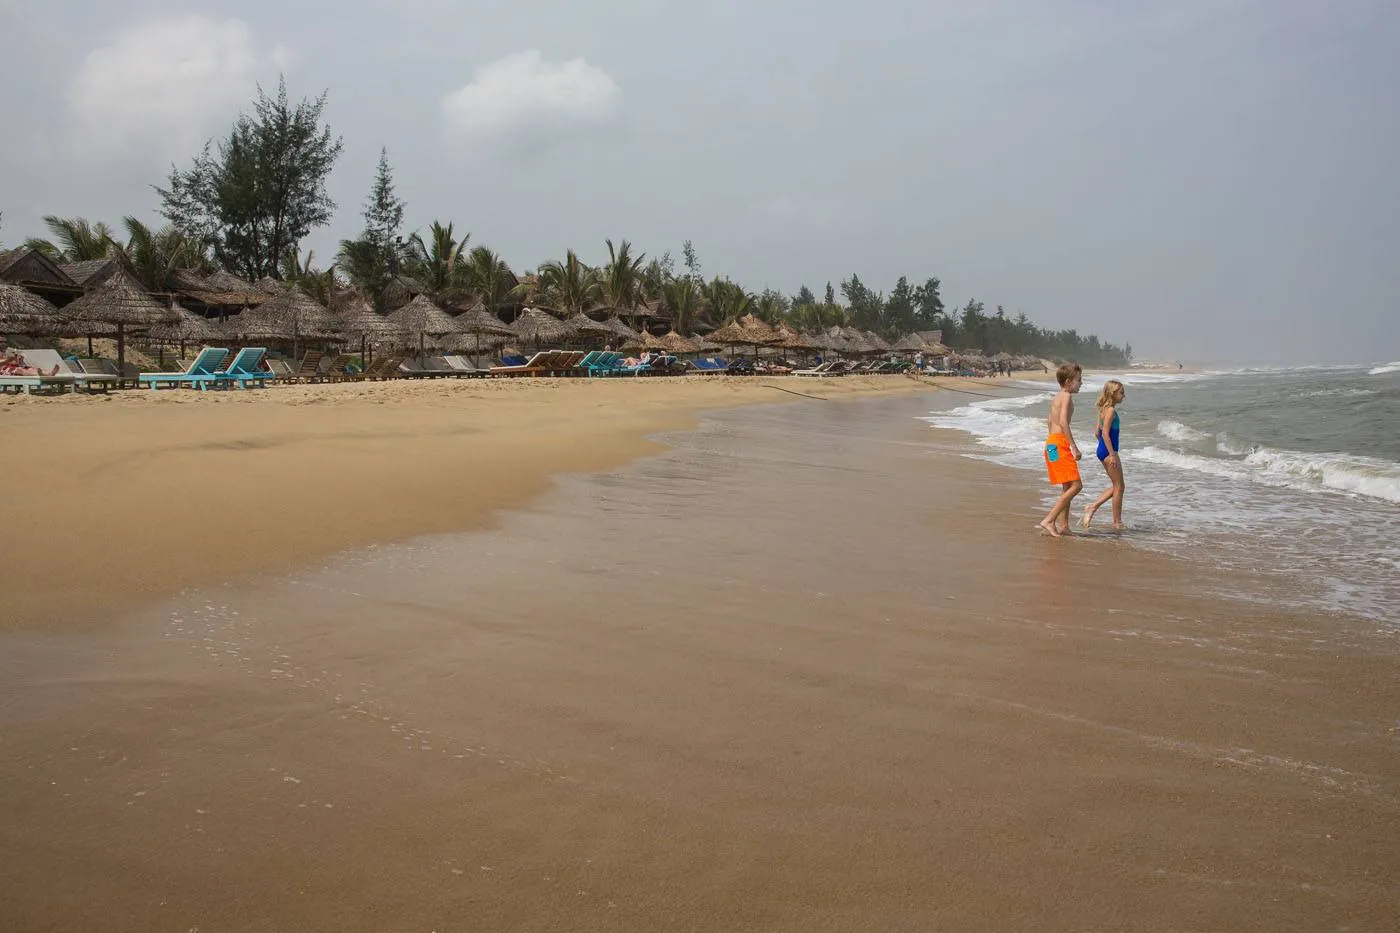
1059,460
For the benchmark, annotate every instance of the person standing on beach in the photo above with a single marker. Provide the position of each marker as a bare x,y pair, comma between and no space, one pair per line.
1110,398
1061,452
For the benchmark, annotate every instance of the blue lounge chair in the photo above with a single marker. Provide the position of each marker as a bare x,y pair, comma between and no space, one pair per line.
606,364
202,371
245,368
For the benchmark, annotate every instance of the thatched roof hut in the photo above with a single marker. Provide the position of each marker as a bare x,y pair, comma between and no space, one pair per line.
90,273
618,329
218,290
359,319
584,327
38,273
538,327
23,312
401,290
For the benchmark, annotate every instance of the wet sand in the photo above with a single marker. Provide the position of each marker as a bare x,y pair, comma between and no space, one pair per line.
806,669
121,499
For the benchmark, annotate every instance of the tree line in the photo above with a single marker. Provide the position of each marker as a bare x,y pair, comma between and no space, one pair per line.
247,202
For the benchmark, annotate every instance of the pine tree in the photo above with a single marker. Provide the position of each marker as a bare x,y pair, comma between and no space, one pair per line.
384,216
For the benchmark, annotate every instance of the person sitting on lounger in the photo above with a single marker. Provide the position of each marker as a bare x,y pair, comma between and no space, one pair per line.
13,364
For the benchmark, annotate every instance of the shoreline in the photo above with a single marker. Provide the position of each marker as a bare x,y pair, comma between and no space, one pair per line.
135,496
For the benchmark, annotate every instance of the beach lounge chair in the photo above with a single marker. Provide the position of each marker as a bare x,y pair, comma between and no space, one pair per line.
245,368
607,363
534,366
309,369
463,366
67,376
822,370
511,359
282,370
201,373
26,384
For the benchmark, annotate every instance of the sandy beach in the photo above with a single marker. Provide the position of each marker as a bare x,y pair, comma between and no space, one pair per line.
486,656
141,493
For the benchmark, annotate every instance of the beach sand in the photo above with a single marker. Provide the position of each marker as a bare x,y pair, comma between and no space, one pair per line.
805,668
139,493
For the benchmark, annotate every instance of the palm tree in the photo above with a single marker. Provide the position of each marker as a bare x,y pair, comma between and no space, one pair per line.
439,262
152,255
566,286
487,276
319,284
617,285
726,301
685,301
78,240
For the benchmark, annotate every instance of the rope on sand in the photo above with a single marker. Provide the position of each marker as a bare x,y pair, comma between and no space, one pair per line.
820,398
942,388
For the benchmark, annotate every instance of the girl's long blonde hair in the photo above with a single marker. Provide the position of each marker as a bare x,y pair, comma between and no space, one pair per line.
1106,394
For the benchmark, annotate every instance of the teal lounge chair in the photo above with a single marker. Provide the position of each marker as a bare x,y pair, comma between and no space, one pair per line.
202,372
245,368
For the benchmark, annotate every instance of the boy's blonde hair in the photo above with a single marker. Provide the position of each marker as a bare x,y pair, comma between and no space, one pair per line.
1110,389
1066,372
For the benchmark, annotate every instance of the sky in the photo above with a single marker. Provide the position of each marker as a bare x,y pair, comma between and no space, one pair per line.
1208,180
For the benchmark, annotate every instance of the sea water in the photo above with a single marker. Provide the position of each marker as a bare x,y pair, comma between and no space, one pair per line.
1292,475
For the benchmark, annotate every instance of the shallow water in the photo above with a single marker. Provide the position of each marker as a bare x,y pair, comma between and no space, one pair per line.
1287,475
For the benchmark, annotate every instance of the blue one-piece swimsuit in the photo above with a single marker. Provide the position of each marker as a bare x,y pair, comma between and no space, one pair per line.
1103,450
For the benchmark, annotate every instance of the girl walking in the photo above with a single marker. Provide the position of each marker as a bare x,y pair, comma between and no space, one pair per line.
1110,397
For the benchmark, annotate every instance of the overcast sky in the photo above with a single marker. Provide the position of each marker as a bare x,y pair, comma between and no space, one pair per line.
1205,179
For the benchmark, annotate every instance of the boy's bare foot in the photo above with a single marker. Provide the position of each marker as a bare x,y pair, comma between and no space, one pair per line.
1049,528
1086,518
1117,526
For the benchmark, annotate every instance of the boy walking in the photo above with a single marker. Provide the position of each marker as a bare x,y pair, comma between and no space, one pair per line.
1061,452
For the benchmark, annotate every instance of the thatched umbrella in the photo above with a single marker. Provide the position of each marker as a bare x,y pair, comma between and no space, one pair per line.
359,319
876,341
909,343
673,342
289,315
537,327
187,328
642,340
420,316
705,344
477,321
121,301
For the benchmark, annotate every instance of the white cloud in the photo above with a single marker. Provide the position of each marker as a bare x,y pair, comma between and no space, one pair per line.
167,84
523,98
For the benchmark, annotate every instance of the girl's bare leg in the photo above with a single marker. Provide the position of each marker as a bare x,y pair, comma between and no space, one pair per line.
1115,475
1094,506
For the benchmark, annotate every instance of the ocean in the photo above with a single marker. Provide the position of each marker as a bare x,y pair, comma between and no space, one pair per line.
1291,475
